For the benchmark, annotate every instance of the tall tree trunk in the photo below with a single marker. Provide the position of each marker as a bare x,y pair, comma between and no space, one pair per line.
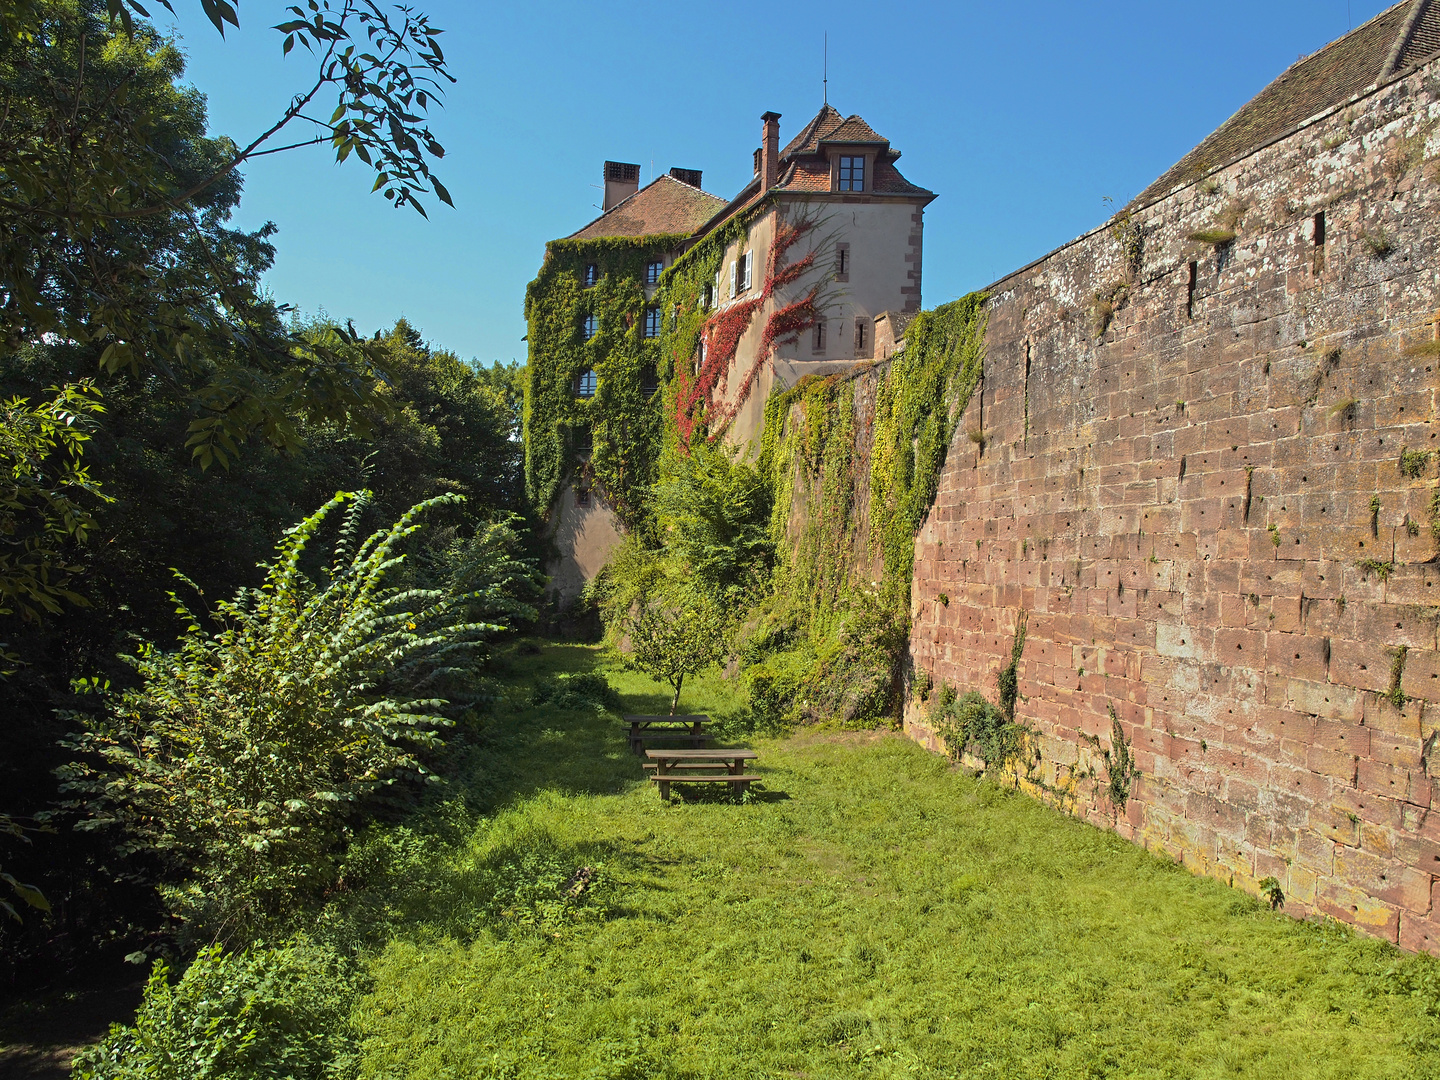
675,702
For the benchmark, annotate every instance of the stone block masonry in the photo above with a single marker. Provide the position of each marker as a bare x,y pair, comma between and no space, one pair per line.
1207,475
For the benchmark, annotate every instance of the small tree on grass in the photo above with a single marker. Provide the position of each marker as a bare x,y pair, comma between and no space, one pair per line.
675,635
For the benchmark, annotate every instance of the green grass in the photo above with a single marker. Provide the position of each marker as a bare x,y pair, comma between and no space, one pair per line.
872,913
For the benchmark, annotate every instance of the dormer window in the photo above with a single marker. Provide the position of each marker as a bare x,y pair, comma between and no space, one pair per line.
585,383
592,275
652,272
852,174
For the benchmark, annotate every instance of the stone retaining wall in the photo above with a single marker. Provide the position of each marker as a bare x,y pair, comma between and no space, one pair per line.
1199,501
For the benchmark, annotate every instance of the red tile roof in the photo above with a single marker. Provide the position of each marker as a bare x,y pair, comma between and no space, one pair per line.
665,205
830,127
1391,42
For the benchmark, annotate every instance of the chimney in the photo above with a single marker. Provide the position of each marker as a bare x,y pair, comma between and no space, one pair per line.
687,176
769,170
621,181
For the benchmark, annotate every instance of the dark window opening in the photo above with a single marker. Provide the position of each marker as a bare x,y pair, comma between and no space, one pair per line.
649,382
582,496
585,383
1318,263
861,337
652,322
852,174
842,262
591,326
592,275
818,338
1190,292
653,271
584,444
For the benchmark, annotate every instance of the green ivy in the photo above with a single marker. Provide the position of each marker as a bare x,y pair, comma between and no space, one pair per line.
623,421
821,619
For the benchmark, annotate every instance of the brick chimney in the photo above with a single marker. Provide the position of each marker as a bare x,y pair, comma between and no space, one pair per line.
769,150
622,180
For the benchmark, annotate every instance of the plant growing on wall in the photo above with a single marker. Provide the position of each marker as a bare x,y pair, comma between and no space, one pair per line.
715,339
622,419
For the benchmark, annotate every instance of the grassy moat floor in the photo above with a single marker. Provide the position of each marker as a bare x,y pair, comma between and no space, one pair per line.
872,912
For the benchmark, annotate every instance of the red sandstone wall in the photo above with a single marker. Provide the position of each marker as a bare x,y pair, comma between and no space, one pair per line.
1133,492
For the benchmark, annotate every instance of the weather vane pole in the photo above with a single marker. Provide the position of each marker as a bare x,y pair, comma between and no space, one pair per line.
825,72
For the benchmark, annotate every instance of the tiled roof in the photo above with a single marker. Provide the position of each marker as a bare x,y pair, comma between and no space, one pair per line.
806,176
888,181
830,126
812,175
1389,43
665,205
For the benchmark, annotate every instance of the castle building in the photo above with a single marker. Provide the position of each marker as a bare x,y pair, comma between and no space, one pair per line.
812,268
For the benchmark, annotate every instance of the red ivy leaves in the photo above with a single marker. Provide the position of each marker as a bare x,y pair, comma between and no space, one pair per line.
725,328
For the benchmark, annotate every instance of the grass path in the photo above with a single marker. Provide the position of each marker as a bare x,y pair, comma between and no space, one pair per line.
874,914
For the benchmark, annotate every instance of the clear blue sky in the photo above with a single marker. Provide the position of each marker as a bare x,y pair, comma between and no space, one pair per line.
1021,116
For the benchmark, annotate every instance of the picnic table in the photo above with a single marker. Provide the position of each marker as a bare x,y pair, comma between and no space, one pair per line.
700,767
684,730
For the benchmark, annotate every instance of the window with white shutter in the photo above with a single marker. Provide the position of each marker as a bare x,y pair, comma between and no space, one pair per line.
732,280
745,263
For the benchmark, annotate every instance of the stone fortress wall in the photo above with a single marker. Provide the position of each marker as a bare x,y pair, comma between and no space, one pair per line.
1201,482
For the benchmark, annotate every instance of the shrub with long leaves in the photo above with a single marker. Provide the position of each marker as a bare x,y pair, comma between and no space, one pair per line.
241,757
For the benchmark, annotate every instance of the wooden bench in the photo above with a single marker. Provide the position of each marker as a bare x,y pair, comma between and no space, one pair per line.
701,767
681,731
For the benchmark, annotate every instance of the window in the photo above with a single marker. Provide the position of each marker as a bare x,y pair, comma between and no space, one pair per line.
861,337
1317,264
733,280
585,383
1190,291
582,496
584,443
590,326
707,297
842,262
649,382
652,272
745,263
592,275
852,174
652,322
818,337
699,356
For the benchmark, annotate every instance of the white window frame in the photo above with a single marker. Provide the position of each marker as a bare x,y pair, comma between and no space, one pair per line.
590,326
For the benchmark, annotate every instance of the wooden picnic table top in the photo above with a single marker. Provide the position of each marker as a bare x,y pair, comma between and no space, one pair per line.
663,718
701,755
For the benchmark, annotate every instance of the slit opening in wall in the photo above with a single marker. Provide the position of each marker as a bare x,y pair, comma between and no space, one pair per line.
1318,235
1190,291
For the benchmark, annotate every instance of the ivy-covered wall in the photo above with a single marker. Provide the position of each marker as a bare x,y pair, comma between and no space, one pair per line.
852,462
623,419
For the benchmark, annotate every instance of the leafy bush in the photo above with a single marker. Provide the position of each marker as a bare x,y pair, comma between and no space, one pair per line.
576,690
713,513
262,1014
237,759
971,723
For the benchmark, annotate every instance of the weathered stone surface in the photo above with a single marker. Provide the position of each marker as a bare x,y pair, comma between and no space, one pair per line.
1203,511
